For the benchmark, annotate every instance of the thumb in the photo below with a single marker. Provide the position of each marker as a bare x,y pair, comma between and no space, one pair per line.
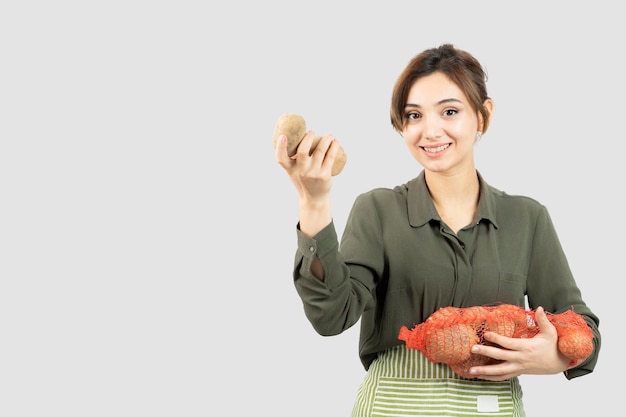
280,149
545,325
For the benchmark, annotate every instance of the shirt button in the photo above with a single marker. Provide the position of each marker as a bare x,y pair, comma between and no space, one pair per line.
311,249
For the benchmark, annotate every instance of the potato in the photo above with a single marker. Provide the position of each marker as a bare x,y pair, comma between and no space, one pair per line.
294,127
450,344
449,333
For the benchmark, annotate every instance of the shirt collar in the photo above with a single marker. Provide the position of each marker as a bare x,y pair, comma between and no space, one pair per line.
422,210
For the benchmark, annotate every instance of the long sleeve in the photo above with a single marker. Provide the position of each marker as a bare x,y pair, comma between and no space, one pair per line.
551,285
335,304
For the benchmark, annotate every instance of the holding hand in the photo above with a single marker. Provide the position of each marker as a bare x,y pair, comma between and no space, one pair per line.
310,162
536,355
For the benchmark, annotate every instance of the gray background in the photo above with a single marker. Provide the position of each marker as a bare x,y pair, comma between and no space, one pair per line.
147,233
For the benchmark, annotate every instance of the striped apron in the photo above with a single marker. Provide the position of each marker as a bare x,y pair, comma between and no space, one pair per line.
401,382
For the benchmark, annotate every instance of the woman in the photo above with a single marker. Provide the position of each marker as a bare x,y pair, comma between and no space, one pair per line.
445,238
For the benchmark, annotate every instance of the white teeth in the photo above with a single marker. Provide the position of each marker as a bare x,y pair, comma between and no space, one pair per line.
437,149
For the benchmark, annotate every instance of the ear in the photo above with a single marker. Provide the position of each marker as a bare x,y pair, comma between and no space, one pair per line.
488,106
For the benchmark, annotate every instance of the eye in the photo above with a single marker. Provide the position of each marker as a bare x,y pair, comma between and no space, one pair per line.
412,116
450,112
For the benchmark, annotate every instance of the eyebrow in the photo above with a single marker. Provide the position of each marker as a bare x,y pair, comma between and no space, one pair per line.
444,101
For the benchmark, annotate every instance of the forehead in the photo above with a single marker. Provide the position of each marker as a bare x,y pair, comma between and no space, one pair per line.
434,88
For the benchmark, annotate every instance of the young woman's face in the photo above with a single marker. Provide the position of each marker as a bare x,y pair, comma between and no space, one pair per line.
440,125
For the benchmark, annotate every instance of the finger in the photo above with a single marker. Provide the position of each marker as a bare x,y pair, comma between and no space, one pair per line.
332,153
490,351
502,368
502,341
326,151
282,156
492,375
541,318
306,144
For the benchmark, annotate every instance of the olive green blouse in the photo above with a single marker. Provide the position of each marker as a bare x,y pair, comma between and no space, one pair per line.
398,263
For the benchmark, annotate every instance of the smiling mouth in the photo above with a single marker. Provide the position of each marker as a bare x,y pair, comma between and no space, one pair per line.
437,149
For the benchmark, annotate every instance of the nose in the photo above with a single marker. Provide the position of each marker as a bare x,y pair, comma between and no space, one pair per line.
432,129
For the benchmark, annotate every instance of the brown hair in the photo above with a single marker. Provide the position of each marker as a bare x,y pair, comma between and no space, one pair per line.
461,67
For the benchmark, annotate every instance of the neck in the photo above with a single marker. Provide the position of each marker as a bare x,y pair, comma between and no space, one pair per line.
455,197
457,187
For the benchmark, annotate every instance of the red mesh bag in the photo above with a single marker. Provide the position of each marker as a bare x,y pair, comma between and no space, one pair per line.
448,334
